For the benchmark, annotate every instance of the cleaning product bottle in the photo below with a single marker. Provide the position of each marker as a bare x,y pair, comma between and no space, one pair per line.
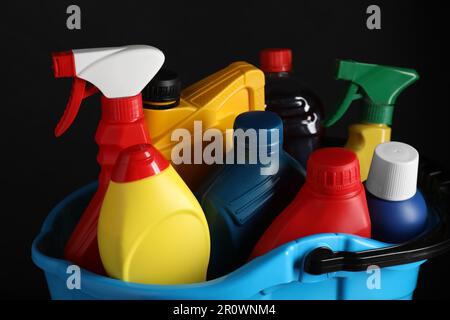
332,200
213,102
378,87
300,108
162,93
120,74
151,228
240,200
397,209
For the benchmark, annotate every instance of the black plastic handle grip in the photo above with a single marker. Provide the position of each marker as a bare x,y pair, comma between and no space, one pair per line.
435,185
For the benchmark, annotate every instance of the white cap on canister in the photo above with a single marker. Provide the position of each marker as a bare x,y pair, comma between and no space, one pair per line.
393,173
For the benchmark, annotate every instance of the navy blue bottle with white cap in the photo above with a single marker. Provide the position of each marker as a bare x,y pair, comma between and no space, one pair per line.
398,211
240,200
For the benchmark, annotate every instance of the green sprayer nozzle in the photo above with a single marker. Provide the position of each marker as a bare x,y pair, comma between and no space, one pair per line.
379,87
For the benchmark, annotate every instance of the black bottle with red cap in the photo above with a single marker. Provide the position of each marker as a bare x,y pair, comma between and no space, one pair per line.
300,108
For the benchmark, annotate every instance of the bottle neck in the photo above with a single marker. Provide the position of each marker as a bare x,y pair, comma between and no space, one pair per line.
138,162
277,75
377,113
122,110
161,105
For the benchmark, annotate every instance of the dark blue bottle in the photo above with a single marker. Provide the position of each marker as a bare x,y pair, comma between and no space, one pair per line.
398,211
241,200
397,221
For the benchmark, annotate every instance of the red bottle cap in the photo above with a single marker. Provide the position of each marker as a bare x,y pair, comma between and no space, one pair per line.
138,162
334,171
275,60
122,110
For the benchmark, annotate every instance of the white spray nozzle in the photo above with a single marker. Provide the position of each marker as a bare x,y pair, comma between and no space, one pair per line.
118,72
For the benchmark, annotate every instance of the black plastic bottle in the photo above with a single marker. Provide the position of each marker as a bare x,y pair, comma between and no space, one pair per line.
300,109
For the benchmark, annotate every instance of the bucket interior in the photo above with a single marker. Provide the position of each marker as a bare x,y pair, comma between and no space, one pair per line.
60,225
63,219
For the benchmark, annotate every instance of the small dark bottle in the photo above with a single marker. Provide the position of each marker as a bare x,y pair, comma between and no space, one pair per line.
300,109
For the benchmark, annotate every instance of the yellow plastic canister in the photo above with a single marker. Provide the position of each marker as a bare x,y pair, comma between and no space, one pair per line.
151,228
215,101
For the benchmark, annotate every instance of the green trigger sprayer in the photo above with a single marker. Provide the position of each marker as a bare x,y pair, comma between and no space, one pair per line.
378,87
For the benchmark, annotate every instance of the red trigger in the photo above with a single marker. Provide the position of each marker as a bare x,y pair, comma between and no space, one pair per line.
90,90
73,105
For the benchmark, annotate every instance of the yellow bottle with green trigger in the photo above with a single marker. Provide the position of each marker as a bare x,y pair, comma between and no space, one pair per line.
378,87
215,101
151,228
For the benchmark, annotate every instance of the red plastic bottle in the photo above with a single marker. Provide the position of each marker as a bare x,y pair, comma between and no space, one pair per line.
332,200
119,74
118,129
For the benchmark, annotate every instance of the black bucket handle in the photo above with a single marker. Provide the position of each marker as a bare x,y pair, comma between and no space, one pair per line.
435,185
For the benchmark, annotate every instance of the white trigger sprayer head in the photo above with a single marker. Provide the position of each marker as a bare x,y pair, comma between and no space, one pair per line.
118,72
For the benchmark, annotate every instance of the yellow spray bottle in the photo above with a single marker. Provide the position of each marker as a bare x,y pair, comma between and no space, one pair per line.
215,102
378,87
151,228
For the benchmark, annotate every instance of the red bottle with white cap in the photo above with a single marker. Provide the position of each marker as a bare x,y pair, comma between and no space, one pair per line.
332,200
120,74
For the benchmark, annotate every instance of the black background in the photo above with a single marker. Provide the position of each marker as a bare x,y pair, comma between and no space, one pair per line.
198,38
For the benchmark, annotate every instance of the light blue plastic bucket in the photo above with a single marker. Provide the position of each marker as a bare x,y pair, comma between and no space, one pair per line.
280,274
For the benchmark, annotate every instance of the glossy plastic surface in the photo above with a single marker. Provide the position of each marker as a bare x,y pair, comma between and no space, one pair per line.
215,101
120,73
121,125
394,171
240,203
332,200
397,221
363,138
163,92
301,110
275,60
378,87
138,162
152,230
277,275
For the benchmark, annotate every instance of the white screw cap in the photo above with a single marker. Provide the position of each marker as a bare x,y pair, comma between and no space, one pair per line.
393,173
